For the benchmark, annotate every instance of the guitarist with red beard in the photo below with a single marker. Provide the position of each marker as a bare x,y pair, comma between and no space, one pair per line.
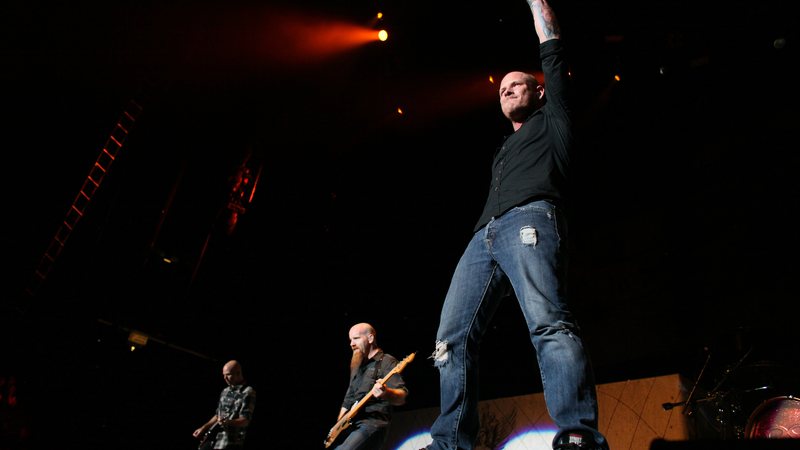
369,365
228,427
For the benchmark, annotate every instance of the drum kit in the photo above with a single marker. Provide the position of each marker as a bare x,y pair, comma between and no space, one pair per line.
748,400
777,417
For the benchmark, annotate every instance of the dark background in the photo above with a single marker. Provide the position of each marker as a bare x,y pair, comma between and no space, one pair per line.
683,214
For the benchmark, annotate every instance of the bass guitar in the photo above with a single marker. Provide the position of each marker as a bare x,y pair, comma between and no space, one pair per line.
210,437
346,419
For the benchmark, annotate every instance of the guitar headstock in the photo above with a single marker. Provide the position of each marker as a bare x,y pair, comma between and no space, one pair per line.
402,364
399,367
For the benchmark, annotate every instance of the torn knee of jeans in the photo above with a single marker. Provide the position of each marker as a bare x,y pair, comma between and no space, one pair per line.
565,329
560,328
440,354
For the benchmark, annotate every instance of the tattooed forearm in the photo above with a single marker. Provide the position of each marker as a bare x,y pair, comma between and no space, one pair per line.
545,20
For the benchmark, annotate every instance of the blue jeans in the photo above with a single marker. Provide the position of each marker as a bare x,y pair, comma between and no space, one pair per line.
525,250
364,435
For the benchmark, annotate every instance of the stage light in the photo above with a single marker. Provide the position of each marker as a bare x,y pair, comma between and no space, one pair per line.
416,441
531,440
527,440
378,18
137,339
383,35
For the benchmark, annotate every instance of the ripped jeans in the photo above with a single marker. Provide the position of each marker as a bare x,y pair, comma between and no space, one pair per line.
523,249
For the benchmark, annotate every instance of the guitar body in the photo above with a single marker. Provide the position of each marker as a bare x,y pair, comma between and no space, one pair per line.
337,429
209,437
346,419
207,444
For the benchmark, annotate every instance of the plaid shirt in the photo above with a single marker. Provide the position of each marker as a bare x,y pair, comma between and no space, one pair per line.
234,401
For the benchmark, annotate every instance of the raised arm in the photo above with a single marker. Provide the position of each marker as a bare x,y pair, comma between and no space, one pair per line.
544,19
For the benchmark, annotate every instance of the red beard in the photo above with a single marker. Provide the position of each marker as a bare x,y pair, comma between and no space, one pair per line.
356,361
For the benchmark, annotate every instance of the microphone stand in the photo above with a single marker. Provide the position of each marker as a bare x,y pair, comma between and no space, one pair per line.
711,395
669,406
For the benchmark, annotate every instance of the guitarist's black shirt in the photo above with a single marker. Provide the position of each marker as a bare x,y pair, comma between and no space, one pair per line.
376,410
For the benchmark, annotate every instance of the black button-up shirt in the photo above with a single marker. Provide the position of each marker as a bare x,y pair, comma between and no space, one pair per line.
376,410
532,162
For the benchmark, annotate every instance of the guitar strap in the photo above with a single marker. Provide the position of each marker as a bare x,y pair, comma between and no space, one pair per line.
378,375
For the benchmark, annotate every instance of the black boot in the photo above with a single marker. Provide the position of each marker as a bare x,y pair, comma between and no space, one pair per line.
574,441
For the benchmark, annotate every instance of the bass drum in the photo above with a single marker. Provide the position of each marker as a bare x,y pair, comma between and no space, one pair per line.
776,418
